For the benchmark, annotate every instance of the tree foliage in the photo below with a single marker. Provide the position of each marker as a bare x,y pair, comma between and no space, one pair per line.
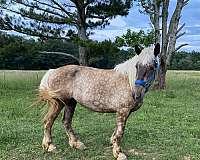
61,19
19,53
50,18
185,61
131,38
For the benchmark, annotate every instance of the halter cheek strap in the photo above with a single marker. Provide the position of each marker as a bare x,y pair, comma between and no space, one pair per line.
146,84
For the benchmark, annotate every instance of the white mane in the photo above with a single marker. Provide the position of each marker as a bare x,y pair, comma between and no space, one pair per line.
128,67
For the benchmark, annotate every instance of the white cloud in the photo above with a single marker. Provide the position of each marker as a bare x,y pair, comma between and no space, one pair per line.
118,22
101,35
191,26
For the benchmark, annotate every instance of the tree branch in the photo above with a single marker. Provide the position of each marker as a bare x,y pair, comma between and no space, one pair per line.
42,19
180,35
68,5
165,35
94,25
62,8
185,3
61,53
173,26
34,18
180,28
33,6
45,4
147,8
6,26
98,17
179,47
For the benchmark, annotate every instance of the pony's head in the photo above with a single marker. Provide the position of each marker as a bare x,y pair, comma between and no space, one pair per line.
146,68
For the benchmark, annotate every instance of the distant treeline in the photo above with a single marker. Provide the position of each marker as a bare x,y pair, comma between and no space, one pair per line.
19,53
185,61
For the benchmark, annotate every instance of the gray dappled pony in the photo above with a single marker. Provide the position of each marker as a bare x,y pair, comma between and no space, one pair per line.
120,90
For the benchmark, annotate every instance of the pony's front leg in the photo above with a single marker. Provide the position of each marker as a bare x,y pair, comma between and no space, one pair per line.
118,134
67,120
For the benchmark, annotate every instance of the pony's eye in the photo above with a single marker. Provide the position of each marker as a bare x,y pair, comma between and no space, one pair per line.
151,68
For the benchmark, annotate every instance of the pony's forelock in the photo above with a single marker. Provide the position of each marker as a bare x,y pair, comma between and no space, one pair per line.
146,56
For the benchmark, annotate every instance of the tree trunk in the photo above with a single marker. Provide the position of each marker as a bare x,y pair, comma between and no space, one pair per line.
83,57
169,37
162,74
156,20
160,82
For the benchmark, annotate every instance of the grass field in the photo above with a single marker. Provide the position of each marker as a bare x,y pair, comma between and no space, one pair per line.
167,127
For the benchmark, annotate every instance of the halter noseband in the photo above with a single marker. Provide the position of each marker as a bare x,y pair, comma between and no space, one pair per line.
146,84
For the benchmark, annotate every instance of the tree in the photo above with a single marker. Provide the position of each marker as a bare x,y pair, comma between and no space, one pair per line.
105,54
131,38
158,11
20,53
57,19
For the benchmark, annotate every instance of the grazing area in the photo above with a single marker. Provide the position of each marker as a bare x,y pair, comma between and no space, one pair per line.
167,126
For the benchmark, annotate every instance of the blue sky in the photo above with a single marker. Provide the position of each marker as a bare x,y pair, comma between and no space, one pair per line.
136,21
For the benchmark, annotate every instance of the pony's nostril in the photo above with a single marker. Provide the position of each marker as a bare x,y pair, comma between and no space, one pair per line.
138,96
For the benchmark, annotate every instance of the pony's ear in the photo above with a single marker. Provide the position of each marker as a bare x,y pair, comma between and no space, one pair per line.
157,49
137,49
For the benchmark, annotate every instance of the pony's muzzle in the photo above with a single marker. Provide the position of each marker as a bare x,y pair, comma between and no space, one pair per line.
139,92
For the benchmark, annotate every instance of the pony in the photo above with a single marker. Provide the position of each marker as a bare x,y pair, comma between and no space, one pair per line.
120,90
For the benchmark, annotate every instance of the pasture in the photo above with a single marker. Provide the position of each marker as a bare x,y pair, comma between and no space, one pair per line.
167,126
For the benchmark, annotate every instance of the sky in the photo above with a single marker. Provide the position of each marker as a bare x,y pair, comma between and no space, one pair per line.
136,21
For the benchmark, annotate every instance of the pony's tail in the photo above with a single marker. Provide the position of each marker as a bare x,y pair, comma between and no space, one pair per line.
51,99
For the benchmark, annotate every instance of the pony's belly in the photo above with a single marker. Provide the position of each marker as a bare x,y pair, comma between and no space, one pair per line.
97,105
99,109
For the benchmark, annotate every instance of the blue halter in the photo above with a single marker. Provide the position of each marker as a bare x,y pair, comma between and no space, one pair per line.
151,77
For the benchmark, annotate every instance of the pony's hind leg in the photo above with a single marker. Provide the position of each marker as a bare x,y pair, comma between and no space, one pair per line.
54,109
113,136
67,120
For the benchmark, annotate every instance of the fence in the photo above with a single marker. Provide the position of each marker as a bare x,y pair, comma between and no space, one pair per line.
19,79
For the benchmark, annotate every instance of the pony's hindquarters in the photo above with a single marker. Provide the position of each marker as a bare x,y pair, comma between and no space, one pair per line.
48,95
55,105
55,91
44,84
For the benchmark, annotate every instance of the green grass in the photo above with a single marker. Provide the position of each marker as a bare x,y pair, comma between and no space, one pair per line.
166,127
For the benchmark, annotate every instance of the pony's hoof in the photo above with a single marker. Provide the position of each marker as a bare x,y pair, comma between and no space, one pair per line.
78,145
51,148
121,156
